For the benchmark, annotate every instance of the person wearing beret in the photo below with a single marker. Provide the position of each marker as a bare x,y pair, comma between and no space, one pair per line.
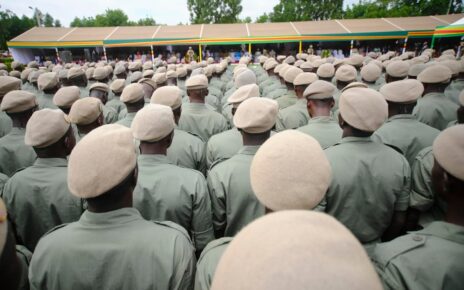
269,66
86,114
226,144
165,191
396,71
196,117
76,77
296,115
101,91
116,87
402,131
133,98
181,78
344,75
215,79
457,85
233,202
432,257
111,245
290,97
48,85
370,189
14,153
187,150
322,125
37,197
278,88
7,84
434,108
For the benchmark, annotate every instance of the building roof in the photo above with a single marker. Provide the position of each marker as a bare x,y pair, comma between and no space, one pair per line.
327,30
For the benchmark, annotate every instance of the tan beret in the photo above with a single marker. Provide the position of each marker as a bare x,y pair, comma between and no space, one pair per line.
148,65
304,79
18,101
8,84
170,96
243,93
449,52
100,73
256,115
397,69
318,62
363,109
161,69
181,72
346,73
270,65
89,72
354,85
149,82
15,74
25,73
153,123
355,59
453,65
404,91
448,150
295,249
15,65
99,87
415,69
119,69
132,93
281,57
245,77
75,72
433,74
197,82
326,70
319,90
66,96
159,78
148,73
370,72
172,74
47,81
33,64
135,65
118,85
135,76
291,74
46,127
94,167
85,111
276,183
290,59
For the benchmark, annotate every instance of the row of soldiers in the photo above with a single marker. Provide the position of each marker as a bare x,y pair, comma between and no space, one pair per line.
233,165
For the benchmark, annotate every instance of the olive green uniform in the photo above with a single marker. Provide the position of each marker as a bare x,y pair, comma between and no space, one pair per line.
293,116
199,120
454,89
324,129
436,110
286,100
369,182
24,258
427,259
109,115
14,154
3,180
116,104
114,250
406,134
45,101
223,146
127,120
275,92
233,202
187,150
165,191
5,124
38,199
208,261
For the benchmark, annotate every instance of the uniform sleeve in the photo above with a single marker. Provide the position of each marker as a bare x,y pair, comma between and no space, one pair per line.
280,124
209,155
403,195
203,277
184,273
202,223
389,276
422,197
218,201
200,159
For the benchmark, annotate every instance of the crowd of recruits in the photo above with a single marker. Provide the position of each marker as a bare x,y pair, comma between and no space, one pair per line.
330,157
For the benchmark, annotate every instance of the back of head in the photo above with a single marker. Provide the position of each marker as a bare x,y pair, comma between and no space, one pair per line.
46,127
317,252
8,84
256,115
245,77
47,81
170,96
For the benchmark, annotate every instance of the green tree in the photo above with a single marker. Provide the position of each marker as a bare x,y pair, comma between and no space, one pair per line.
303,10
147,21
48,20
111,17
214,11
263,18
57,23
11,26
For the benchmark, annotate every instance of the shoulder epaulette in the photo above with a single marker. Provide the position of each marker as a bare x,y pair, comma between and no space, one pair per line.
388,251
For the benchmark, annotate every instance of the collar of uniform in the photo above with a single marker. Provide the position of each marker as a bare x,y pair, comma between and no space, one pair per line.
291,93
249,150
130,115
355,139
119,216
153,159
434,94
197,106
321,119
445,231
400,116
51,162
302,102
18,131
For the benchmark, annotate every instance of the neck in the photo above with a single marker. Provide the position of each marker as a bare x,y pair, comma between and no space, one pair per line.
198,100
320,112
19,123
153,148
115,205
255,139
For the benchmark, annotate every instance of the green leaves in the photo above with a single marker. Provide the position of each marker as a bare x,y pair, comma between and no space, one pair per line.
214,11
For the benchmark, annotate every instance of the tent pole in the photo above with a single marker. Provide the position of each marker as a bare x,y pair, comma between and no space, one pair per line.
199,52
152,54
405,44
351,47
104,53
57,55
249,48
300,47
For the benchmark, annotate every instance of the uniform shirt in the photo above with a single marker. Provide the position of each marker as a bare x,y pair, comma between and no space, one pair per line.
276,92
369,182
24,257
165,191
293,116
208,261
427,259
14,154
270,81
277,85
324,129
38,199
423,198
5,124
45,101
127,120
3,180
116,104
109,115
233,202
114,250
187,150
286,100
223,146
436,110
406,134
201,121
454,89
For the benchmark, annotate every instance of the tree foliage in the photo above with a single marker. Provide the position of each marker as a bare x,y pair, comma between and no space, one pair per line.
12,25
111,17
303,10
214,11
